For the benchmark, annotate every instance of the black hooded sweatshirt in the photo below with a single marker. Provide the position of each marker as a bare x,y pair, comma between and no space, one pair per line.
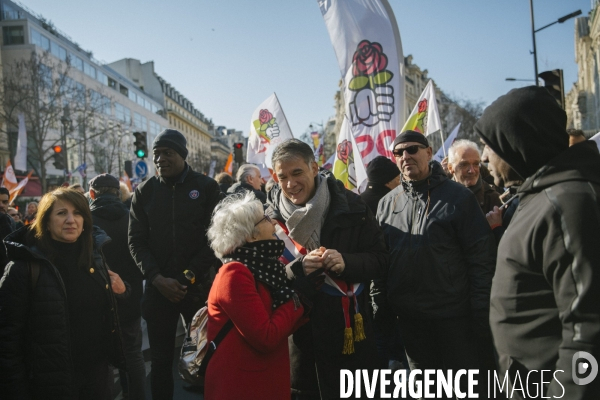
545,301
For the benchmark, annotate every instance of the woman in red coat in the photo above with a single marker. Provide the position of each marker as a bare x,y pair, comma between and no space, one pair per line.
252,361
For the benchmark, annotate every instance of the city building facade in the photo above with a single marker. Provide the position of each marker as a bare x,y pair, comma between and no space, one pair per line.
582,101
180,111
105,106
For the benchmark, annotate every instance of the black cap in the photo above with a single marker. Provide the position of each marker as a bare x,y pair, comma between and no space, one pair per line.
172,139
381,170
410,136
104,180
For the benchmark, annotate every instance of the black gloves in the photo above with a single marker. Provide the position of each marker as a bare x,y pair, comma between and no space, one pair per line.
308,286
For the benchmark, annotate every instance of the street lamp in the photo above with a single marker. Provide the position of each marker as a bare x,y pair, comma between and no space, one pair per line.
534,31
66,123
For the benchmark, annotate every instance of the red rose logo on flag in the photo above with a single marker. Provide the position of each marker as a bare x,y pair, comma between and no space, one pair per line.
264,116
423,105
368,59
344,150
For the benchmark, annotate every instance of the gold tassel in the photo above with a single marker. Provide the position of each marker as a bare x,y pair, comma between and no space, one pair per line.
348,341
359,328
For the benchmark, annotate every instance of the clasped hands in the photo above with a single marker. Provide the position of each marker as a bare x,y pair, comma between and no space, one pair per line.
329,259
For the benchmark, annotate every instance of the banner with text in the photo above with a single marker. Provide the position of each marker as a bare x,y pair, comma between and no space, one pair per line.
367,44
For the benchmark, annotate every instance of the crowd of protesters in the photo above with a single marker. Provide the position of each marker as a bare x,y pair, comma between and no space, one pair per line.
303,278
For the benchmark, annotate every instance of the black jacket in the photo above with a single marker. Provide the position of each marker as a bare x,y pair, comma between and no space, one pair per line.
546,291
112,216
7,226
442,251
351,229
240,187
167,227
35,338
373,194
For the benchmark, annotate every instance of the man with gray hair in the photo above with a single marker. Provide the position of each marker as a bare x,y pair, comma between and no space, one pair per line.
337,231
464,163
248,180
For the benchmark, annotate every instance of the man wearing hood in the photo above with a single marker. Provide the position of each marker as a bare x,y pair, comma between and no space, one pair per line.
112,216
442,255
545,312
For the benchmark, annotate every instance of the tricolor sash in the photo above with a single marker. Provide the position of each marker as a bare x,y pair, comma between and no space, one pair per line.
333,286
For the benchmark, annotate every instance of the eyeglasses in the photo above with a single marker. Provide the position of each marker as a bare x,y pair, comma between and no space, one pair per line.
265,217
410,150
13,215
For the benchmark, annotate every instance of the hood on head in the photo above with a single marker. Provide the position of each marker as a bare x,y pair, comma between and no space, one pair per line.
526,128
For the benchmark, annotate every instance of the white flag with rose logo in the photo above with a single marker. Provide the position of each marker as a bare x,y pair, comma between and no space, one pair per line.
425,117
366,40
268,128
348,165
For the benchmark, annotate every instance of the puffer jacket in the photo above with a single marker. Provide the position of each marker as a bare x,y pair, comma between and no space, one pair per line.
35,338
442,251
351,229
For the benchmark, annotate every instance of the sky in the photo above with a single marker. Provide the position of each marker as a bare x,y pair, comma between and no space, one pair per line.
228,56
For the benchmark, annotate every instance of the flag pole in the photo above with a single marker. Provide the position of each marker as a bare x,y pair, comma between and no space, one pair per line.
443,147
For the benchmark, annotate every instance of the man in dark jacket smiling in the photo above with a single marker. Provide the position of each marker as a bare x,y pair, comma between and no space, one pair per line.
170,214
442,255
340,233
545,312
111,215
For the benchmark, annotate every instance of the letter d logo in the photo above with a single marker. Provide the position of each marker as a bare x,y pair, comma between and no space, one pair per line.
581,364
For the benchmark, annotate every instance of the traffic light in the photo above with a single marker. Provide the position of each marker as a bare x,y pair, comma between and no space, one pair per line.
553,81
141,146
238,152
59,157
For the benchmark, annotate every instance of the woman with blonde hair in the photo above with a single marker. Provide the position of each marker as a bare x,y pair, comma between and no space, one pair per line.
58,324
250,290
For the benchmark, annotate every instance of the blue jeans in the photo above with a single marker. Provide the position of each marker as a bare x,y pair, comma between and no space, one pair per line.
133,381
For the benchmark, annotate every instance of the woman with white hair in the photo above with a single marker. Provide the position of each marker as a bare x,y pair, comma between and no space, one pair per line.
252,361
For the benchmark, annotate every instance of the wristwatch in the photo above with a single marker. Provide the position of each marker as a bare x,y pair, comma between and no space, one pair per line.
189,275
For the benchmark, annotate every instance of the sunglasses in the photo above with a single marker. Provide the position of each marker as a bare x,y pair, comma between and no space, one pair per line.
410,150
13,215
265,217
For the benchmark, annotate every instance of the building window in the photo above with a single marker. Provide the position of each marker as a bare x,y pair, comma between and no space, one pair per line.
132,96
13,35
45,43
10,13
140,101
89,70
102,78
124,90
140,122
100,103
112,83
76,61
122,113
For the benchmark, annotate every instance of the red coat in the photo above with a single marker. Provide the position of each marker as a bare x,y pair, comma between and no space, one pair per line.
252,362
